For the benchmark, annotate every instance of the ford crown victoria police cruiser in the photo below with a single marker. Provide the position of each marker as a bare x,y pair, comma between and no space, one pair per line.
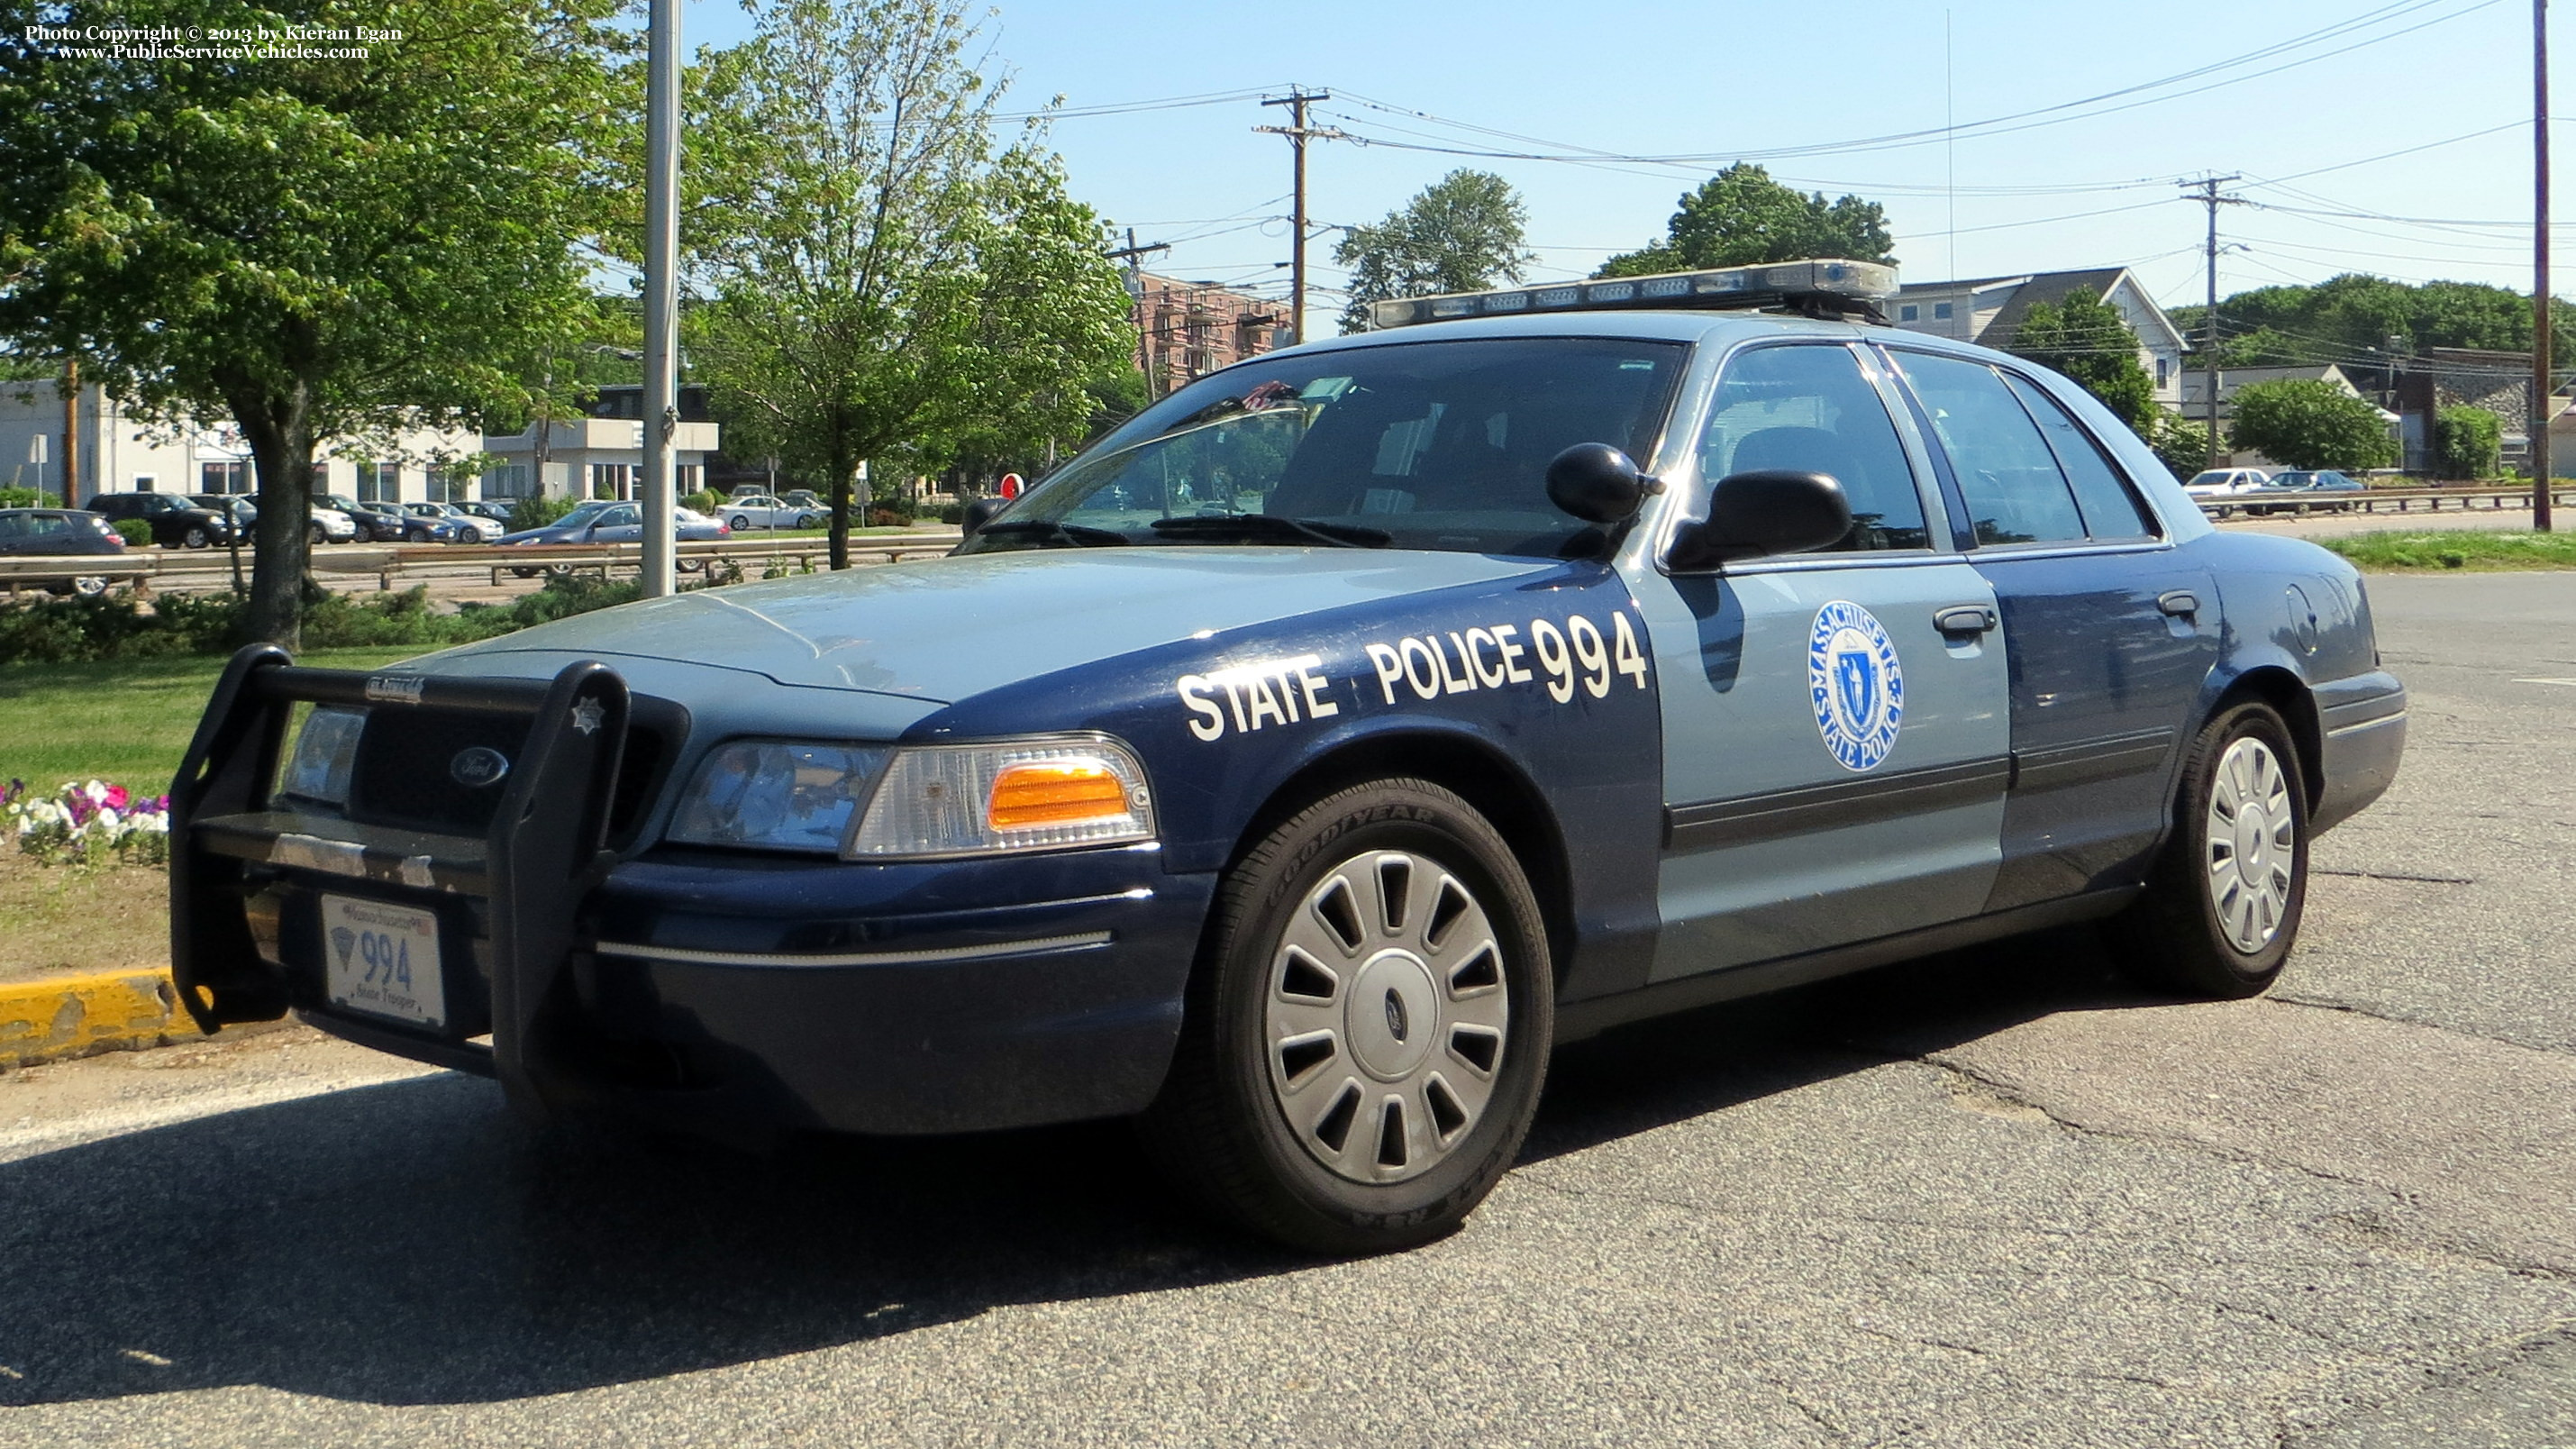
1292,770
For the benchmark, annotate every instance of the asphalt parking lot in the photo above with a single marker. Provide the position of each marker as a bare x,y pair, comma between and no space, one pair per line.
1998,1198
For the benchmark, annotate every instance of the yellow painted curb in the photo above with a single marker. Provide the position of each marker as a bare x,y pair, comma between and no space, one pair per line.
75,1016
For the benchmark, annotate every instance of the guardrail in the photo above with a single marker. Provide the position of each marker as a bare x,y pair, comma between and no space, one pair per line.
392,565
2375,500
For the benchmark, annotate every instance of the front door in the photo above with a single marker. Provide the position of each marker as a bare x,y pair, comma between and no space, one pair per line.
1834,762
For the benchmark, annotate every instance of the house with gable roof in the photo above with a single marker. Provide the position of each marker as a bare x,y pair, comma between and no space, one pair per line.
1989,310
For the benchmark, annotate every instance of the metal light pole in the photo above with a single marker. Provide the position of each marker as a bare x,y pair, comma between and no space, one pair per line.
2536,426
661,290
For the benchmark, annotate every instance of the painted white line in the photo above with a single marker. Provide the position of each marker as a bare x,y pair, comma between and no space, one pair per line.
2570,683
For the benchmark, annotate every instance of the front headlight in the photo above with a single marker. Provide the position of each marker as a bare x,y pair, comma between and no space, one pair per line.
326,752
1039,794
776,795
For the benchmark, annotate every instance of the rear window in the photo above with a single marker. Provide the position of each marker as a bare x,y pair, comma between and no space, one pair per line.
1433,445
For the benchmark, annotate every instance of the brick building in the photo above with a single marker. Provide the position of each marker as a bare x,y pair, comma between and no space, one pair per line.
1186,330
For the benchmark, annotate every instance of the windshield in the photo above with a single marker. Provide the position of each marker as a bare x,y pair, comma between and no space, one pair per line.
2203,480
585,514
1433,445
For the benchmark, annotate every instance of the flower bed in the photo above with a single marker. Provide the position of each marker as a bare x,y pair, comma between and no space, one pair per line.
87,823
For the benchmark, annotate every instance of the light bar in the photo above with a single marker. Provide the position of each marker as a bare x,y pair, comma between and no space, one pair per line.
1723,288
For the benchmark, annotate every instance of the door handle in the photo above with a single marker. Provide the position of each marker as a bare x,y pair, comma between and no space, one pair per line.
1964,619
2181,603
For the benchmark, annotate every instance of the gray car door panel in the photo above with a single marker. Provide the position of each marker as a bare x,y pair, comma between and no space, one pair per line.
1834,763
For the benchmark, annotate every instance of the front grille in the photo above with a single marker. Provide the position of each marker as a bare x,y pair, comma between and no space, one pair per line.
402,772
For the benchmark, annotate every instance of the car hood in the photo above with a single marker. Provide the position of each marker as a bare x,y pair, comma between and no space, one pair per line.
947,629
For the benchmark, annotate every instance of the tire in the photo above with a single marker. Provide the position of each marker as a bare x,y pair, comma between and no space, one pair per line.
89,586
689,566
520,573
1348,1086
807,520
741,521
2208,926
315,537
196,537
416,536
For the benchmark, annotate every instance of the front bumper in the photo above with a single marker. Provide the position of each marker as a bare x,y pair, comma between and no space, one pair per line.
730,993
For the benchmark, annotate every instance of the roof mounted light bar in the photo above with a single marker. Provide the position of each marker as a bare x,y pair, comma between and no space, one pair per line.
1829,286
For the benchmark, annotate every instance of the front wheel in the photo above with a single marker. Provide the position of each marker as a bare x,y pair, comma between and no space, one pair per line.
2222,905
314,536
196,537
1368,1028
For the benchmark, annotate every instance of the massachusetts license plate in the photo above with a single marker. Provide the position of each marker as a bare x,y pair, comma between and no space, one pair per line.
383,960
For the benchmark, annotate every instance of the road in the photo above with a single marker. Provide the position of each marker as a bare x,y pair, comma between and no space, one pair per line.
1992,1199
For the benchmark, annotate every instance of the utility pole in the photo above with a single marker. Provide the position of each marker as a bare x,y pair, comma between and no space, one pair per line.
661,291
71,432
2210,198
1298,135
2537,425
1134,256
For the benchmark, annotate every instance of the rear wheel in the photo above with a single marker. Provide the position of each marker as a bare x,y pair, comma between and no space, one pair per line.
2222,906
1368,1029
741,521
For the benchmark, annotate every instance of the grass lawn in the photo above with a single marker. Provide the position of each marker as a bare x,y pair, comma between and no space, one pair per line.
2474,550
126,723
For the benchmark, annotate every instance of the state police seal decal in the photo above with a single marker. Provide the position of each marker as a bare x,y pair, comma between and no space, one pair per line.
1856,684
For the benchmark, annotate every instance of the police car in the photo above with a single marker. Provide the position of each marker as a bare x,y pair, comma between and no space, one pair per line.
1296,767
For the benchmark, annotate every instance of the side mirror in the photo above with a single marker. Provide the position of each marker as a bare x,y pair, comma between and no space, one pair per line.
1596,483
979,513
1764,512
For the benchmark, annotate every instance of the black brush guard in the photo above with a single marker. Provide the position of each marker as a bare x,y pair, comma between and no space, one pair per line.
545,851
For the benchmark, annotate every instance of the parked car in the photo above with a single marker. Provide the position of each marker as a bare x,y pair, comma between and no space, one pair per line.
612,521
376,522
466,527
806,498
2320,490
759,510
174,520
1497,681
324,525
495,510
45,532
2224,484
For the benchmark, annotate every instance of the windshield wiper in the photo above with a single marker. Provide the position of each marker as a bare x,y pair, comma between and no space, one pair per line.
1049,528
1271,525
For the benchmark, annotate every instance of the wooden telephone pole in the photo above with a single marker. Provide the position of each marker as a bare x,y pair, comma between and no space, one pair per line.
2210,198
1298,135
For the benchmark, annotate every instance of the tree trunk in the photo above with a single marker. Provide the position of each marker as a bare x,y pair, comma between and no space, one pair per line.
279,429
842,467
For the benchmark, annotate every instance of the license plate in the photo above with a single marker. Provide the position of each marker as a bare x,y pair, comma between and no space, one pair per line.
383,959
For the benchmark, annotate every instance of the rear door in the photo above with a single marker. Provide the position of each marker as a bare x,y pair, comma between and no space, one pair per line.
1834,764
2109,629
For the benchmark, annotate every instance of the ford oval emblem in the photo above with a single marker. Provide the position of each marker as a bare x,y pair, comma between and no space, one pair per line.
478,766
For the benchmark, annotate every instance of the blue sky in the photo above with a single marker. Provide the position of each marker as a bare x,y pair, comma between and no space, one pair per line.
2086,185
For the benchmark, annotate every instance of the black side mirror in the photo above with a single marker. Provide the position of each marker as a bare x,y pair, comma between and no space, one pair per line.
979,513
1764,512
1596,483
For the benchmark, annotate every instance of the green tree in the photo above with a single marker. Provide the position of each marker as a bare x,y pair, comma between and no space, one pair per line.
1741,217
2350,319
2181,444
2309,424
2467,443
2087,339
314,248
1462,233
887,285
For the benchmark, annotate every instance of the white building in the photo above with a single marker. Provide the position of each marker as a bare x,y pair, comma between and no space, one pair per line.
122,454
599,455
1989,310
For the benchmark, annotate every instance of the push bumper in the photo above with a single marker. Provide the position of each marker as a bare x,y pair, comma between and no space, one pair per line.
733,994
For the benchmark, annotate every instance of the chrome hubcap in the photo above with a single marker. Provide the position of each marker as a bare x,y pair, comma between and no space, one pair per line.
1386,1016
2252,843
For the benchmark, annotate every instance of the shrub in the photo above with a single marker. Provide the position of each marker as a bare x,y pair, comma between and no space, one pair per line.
2467,443
530,513
2309,424
705,500
27,498
135,532
888,518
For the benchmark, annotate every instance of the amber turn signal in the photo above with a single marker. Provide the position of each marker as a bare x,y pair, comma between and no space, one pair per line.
1054,792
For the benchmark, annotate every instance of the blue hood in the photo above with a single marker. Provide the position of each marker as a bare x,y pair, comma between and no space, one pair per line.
943,630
